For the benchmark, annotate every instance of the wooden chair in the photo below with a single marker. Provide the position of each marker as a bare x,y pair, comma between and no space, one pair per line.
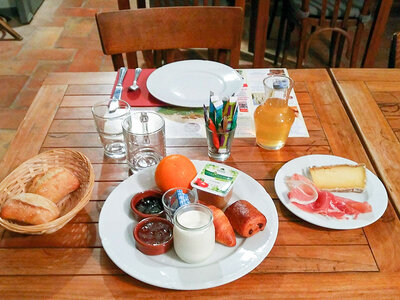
156,55
124,4
394,55
166,28
317,16
4,27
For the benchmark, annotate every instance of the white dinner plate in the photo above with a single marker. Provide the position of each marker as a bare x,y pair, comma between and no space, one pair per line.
188,83
374,193
226,264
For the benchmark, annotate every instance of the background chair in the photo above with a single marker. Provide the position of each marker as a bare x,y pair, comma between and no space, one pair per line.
155,56
394,55
4,27
167,28
124,4
317,16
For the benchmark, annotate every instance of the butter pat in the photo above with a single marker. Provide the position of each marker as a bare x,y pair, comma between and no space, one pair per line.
339,178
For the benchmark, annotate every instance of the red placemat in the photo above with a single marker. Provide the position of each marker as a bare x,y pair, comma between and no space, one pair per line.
141,97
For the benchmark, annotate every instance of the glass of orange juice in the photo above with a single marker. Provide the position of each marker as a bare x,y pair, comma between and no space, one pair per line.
274,118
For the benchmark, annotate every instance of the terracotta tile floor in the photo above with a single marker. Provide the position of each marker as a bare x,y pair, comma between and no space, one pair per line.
63,37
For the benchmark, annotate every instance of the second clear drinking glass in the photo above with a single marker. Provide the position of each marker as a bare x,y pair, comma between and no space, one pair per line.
144,135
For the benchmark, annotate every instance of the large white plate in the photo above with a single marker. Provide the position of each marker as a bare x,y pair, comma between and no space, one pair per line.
226,264
188,83
374,193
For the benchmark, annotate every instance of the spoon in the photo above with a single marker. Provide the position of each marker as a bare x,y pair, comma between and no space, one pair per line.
135,86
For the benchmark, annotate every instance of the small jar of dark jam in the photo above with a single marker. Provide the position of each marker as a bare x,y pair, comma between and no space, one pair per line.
147,204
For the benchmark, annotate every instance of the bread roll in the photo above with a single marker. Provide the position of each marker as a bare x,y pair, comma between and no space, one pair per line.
54,184
29,208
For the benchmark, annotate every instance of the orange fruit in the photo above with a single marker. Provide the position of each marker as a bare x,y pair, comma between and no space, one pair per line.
174,171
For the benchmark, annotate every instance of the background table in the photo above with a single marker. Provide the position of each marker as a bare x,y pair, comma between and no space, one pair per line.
306,261
372,98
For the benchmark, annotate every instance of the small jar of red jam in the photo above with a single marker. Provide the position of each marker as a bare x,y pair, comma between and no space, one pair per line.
153,235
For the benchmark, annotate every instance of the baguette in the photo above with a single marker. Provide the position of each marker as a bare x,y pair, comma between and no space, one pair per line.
54,184
29,208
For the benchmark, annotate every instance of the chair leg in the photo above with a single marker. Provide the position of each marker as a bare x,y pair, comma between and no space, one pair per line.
272,18
339,51
302,47
333,48
7,28
282,29
289,29
356,45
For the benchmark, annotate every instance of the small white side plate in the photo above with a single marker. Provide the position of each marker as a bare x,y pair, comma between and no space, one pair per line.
375,193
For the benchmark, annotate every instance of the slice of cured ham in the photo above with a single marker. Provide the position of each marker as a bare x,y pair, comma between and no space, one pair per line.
302,191
303,194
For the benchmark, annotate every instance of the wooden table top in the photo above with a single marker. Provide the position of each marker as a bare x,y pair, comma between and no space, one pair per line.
372,97
306,260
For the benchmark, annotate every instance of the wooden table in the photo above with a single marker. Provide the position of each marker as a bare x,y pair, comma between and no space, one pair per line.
306,261
372,97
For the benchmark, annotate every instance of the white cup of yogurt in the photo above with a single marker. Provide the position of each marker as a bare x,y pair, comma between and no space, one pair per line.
194,232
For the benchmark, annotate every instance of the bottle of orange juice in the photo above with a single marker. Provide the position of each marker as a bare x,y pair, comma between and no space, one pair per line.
274,118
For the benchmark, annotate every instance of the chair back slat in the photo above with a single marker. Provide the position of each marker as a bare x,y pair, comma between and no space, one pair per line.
123,4
240,3
324,6
347,13
305,5
171,28
335,13
118,61
131,59
366,9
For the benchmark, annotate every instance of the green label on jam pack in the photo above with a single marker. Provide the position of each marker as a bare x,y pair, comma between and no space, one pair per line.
216,179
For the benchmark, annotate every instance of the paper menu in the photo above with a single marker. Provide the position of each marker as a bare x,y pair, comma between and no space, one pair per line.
183,122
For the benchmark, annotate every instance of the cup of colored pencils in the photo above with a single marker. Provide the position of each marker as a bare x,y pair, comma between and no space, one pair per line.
220,119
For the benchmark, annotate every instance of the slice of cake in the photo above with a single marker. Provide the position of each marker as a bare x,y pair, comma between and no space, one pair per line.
339,178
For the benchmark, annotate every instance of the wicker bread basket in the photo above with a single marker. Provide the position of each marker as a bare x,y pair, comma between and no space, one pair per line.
18,179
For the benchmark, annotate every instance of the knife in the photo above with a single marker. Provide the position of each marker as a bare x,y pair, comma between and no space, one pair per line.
113,104
118,88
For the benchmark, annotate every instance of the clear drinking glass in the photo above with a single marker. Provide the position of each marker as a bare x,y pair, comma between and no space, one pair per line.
274,118
219,144
144,135
109,127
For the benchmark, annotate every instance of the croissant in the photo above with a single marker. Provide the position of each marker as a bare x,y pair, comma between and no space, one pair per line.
224,233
